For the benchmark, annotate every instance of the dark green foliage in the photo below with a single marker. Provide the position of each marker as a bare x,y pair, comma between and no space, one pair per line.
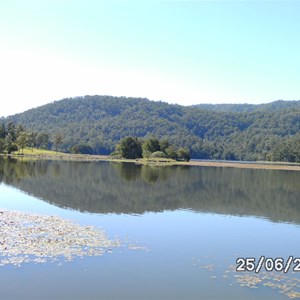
12,148
11,130
42,140
287,150
275,105
8,142
150,149
235,132
32,139
82,149
17,137
131,148
19,129
2,145
9,145
2,131
151,145
57,140
164,144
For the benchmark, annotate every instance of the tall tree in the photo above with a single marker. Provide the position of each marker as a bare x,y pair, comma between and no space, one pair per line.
11,130
171,152
32,139
164,144
130,147
9,144
22,140
19,129
43,140
58,140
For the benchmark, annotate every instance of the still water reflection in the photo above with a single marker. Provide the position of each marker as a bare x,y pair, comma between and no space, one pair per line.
128,188
195,220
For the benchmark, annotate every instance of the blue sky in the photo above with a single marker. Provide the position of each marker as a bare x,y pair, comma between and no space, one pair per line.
183,52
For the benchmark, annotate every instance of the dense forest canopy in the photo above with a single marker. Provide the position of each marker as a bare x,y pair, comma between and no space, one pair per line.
235,132
272,106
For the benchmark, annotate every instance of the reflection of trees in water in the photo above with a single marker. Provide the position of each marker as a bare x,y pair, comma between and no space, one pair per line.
127,171
149,174
128,188
13,170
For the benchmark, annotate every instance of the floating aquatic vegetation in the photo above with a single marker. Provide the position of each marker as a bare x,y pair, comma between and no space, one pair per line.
26,237
287,284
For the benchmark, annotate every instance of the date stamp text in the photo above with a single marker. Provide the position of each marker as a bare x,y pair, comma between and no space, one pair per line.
278,264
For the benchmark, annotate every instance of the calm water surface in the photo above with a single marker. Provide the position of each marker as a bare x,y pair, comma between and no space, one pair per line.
196,221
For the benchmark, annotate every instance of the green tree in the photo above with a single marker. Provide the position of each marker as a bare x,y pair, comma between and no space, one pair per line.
19,129
9,144
164,144
2,145
130,147
183,154
42,140
210,131
2,131
146,154
151,145
171,153
58,140
32,139
22,140
11,130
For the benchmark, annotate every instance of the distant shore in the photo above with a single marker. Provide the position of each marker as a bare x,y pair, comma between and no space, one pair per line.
247,165
162,162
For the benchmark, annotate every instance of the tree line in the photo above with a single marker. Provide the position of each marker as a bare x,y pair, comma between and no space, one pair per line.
95,124
133,147
16,138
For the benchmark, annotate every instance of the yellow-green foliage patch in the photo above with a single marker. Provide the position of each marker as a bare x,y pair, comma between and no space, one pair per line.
35,151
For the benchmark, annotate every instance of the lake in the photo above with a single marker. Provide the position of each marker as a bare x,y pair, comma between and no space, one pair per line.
188,225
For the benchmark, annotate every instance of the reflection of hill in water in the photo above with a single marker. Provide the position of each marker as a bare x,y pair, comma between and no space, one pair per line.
102,187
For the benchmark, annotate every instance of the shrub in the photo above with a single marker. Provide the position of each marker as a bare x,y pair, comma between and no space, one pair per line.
158,154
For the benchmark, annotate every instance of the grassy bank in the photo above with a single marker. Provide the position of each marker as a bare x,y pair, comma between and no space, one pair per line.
36,152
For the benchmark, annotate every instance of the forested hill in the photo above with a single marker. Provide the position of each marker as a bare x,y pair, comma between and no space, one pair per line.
101,121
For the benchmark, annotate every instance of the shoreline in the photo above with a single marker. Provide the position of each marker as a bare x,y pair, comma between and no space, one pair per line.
241,165
262,165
